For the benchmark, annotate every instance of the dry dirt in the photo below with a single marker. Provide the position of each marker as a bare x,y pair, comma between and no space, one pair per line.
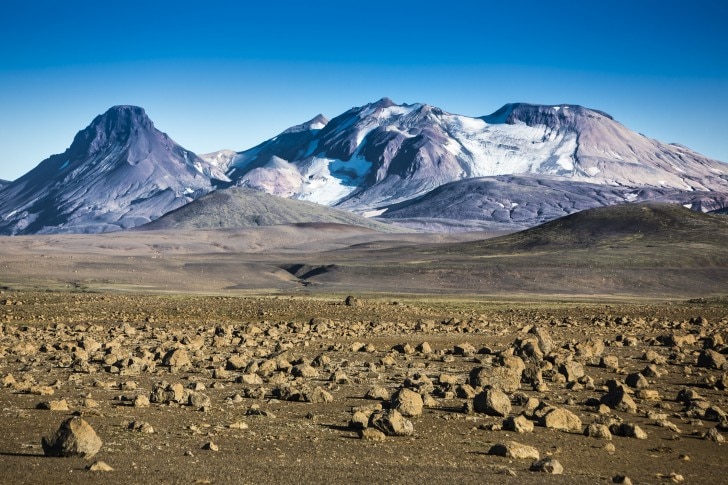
255,360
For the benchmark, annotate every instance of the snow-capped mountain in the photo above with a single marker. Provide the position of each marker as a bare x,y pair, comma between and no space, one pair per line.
381,154
119,172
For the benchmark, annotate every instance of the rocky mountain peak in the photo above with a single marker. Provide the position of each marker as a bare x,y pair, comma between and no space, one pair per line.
316,123
554,116
116,126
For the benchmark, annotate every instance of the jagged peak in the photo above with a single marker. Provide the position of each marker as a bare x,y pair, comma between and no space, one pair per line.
316,123
117,124
385,102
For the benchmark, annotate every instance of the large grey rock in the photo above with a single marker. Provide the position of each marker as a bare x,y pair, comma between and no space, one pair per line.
492,402
563,420
501,378
407,402
513,449
74,438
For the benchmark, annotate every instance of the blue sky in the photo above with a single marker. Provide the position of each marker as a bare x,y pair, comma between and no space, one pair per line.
222,74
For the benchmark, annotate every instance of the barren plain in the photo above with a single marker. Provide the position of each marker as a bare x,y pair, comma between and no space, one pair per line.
326,353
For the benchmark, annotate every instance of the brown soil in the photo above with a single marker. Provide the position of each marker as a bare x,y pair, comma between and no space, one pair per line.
44,334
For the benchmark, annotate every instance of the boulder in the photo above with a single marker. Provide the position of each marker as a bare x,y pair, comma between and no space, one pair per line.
74,438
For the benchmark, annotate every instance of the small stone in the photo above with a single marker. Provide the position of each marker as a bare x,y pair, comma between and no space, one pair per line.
210,446
141,401
609,448
99,466
492,402
547,465
621,479
75,437
513,449
371,434
238,425
141,427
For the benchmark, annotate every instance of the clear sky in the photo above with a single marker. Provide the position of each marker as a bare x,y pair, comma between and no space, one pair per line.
230,74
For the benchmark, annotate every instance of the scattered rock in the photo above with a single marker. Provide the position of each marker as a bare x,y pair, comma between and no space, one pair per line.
519,424
637,381
177,358
54,405
563,420
618,398
492,402
628,430
352,301
547,465
99,466
712,360
379,393
141,427
598,431
513,449
713,435
210,446
571,370
74,438
407,402
391,423
318,395
371,434
502,378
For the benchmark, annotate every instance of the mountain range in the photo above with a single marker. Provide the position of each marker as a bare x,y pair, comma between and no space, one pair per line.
412,164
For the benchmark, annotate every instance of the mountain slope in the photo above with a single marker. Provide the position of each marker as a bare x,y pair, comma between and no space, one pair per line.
636,224
520,202
381,154
241,207
119,172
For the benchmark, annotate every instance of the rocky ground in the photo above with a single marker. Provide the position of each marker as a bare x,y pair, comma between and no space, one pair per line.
187,389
